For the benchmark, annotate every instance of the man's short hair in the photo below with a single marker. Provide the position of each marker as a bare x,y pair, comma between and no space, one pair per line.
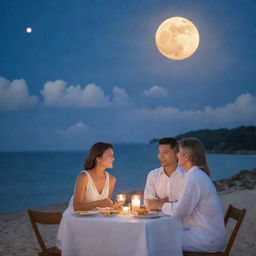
170,141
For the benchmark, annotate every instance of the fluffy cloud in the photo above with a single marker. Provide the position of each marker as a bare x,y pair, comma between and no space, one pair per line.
156,91
121,98
242,110
77,129
59,94
77,136
15,95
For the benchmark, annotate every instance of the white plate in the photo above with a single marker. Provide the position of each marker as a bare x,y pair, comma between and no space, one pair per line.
148,216
86,213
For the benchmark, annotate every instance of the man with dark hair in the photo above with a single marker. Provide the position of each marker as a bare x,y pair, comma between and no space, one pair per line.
165,183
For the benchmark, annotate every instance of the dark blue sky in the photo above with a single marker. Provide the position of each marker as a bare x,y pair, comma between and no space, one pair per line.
90,71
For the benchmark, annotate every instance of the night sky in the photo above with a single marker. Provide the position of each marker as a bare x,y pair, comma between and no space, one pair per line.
90,71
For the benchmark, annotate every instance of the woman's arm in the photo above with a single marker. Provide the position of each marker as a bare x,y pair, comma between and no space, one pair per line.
79,203
112,182
92,205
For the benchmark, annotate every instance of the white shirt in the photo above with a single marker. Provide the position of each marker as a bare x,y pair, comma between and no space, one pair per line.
159,185
201,211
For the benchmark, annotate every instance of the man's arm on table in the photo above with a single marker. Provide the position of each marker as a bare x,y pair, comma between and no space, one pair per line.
156,204
150,189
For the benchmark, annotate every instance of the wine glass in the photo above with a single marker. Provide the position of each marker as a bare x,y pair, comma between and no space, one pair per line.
121,198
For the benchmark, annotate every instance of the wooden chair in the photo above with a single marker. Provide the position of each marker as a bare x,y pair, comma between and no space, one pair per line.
234,213
44,218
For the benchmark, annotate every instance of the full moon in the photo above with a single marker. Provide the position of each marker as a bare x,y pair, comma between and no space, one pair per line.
29,30
177,38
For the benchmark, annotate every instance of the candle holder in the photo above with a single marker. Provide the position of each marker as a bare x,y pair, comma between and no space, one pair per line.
135,203
121,198
126,210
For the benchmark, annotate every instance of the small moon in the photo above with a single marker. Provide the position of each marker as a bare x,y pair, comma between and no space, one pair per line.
29,30
177,38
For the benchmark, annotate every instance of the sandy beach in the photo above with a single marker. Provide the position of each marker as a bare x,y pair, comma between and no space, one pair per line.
17,237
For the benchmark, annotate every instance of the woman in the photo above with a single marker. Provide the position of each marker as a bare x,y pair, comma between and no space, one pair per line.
199,206
94,186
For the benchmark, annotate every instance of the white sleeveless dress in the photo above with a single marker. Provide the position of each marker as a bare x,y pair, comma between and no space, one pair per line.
91,193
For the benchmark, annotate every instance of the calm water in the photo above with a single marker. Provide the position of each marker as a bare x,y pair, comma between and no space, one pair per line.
34,179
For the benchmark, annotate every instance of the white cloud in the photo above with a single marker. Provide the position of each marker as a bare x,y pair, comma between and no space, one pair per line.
121,98
242,110
156,91
15,95
77,136
77,129
59,94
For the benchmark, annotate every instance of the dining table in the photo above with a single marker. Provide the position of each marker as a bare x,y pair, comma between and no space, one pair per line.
119,235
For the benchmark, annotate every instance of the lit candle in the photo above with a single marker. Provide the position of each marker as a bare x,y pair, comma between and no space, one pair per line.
121,198
126,210
135,202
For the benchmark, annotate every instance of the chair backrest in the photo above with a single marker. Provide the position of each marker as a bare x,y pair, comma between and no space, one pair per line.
237,215
43,218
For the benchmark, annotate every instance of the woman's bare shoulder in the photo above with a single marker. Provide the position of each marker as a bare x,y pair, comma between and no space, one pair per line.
112,178
82,176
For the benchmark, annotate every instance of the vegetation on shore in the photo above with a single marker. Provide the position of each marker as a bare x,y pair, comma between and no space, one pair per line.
237,140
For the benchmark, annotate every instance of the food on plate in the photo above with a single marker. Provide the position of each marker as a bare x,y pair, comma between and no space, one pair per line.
109,211
116,207
106,213
142,211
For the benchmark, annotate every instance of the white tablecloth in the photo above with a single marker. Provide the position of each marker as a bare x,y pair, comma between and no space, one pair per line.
119,236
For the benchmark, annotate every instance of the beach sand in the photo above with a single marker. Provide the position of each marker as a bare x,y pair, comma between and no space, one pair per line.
17,237
245,243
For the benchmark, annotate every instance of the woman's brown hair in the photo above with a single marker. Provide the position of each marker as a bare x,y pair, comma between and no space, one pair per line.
196,152
96,150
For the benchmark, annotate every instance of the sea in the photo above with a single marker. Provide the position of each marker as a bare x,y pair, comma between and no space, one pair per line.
35,179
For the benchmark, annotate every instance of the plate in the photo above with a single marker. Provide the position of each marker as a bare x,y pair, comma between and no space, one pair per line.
148,216
86,213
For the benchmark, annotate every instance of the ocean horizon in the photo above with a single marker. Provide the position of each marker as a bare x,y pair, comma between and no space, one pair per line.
31,179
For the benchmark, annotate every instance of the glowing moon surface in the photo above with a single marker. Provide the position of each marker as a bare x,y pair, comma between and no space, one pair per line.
177,38
29,30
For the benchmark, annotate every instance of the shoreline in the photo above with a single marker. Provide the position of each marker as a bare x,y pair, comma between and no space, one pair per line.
245,179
